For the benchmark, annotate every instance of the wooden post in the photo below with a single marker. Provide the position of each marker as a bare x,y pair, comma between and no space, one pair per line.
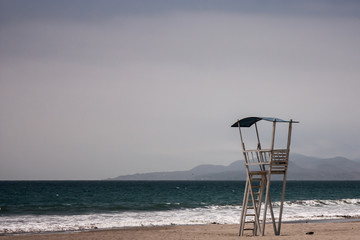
281,204
259,155
272,214
267,195
244,207
289,135
258,138
267,200
284,178
273,135
241,138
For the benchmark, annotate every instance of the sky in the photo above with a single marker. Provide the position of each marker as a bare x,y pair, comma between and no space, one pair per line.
96,89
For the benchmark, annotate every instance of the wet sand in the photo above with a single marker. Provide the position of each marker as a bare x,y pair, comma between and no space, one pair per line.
295,231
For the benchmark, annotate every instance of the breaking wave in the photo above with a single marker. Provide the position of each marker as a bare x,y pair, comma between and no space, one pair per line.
223,214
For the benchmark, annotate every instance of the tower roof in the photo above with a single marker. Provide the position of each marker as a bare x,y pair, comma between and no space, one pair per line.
249,121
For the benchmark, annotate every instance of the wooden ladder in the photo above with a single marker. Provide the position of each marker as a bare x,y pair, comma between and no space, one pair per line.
253,195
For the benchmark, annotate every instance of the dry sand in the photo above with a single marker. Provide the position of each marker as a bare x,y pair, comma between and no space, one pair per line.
343,231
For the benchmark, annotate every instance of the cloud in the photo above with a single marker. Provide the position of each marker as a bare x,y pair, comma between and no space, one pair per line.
152,92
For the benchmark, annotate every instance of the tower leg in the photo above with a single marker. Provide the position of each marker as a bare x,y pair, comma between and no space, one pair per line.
272,214
281,204
267,201
244,208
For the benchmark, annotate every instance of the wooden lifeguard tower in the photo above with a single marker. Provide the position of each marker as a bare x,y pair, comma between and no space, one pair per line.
260,165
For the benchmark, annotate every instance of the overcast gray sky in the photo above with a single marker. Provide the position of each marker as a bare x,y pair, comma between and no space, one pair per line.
97,89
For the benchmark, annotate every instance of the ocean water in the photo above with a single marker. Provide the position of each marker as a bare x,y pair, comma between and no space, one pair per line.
49,206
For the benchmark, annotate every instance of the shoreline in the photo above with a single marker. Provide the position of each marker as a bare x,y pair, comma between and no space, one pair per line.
321,229
343,220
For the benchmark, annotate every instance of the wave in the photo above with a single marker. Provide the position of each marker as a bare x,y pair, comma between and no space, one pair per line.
223,214
319,203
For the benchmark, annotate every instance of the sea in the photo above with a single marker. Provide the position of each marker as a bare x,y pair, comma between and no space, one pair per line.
55,206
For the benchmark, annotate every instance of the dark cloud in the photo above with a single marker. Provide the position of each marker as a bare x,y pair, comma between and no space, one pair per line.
94,10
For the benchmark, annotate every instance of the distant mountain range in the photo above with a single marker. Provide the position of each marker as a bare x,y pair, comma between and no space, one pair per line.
300,168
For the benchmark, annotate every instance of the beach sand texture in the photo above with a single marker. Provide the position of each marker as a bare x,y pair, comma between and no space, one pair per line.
343,231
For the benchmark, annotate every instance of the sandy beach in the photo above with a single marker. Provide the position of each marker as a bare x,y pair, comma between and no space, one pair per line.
295,231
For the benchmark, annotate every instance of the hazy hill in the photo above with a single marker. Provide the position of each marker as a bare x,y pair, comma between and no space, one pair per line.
300,168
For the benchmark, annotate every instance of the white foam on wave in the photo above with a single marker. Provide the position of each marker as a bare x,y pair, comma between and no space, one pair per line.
298,210
320,203
322,209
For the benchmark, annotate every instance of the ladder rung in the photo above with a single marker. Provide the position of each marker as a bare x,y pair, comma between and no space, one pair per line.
255,186
257,173
250,222
256,179
250,215
279,162
248,229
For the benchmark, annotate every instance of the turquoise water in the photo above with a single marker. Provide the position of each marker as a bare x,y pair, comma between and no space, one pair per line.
73,205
